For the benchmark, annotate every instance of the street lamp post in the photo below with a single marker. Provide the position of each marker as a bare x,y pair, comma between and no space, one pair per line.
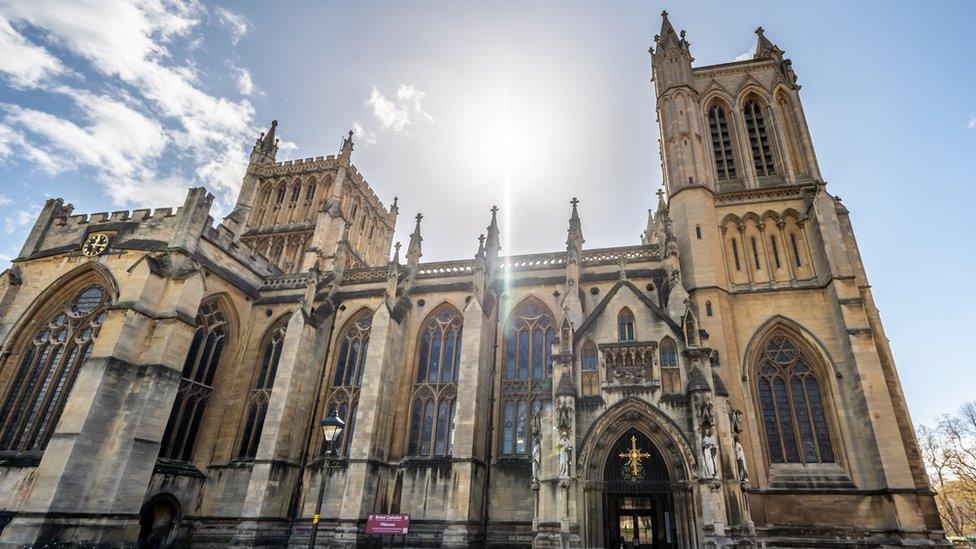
331,429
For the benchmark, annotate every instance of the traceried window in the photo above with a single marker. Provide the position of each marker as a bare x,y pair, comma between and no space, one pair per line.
310,192
196,383
347,378
762,155
721,143
589,376
296,192
625,325
791,404
48,365
670,373
527,374
257,404
589,360
280,198
434,401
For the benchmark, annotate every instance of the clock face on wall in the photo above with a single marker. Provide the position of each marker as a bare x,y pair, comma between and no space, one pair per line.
95,244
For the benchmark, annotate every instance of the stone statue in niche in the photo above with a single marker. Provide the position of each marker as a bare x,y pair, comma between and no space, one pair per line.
709,448
564,415
740,461
565,455
536,449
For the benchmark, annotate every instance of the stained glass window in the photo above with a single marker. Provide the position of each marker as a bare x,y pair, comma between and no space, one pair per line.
257,406
527,373
48,367
435,385
347,379
196,383
791,404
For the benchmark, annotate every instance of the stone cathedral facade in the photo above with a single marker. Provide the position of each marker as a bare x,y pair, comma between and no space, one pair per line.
726,381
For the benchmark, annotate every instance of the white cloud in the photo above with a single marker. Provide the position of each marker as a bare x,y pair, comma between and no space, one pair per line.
362,134
747,55
20,219
5,200
245,84
25,64
972,122
396,115
234,22
168,109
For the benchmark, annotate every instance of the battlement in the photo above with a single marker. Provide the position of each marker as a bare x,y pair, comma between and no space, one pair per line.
66,219
223,238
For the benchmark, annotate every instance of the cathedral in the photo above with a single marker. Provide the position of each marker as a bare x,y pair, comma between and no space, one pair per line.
275,379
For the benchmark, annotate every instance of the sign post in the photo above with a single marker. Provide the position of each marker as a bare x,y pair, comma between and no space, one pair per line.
393,525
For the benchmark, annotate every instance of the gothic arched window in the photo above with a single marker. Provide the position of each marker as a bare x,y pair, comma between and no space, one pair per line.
280,198
310,191
61,339
353,343
296,191
589,360
257,402
196,383
791,404
435,386
721,143
762,155
526,377
670,374
625,325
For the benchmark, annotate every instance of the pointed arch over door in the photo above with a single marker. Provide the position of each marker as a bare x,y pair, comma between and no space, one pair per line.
526,373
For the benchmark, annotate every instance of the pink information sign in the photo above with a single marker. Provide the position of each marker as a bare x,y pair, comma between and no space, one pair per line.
388,524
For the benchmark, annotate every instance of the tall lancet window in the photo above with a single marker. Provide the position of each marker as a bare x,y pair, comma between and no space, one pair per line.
347,377
762,154
791,404
434,401
52,351
527,374
721,143
625,325
257,402
196,383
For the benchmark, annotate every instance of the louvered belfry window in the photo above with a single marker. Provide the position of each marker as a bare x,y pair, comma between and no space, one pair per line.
792,405
721,143
47,369
434,402
762,155
196,383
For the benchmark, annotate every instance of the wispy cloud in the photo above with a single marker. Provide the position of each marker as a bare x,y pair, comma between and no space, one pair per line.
747,55
5,200
972,122
235,23
20,219
362,134
123,134
396,115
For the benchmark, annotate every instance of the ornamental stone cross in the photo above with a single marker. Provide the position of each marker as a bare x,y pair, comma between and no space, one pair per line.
633,456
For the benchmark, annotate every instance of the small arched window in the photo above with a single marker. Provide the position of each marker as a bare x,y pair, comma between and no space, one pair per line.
435,386
708,308
257,405
296,192
588,359
528,370
59,344
280,198
735,255
347,378
196,383
721,143
669,353
625,325
791,404
310,192
762,155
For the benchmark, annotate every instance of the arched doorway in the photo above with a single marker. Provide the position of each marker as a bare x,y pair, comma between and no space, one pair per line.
158,521
638,507
659,501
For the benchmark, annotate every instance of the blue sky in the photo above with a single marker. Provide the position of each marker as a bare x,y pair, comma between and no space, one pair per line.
458,106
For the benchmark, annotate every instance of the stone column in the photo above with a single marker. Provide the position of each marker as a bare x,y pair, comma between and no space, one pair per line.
471,427
366,478
91,481
275,465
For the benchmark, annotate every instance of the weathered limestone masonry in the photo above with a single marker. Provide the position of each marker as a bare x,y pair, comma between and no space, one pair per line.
726,382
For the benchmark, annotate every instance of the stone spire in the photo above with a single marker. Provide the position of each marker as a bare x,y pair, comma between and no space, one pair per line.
766,49
347,146
481,247
574,238
647,237
413,249
668,39
492,243
393,273
266,147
